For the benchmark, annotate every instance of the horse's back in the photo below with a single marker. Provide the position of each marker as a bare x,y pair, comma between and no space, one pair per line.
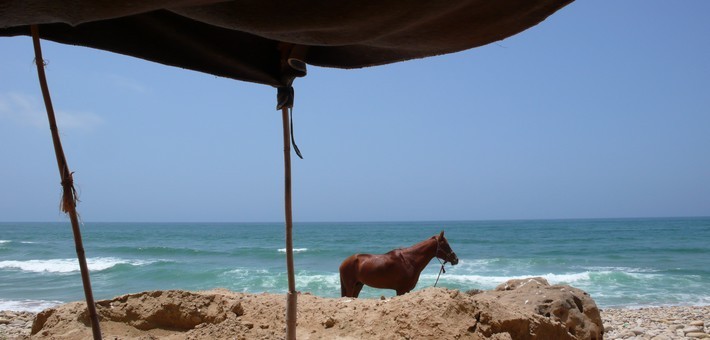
367,265
353,261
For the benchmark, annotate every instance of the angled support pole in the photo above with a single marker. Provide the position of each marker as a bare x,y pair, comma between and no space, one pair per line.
68,204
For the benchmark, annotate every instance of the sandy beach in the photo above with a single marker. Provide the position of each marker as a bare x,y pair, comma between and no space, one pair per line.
520,309
679,322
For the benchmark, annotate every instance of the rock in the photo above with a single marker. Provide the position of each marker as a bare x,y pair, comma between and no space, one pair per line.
537,282
699,335
638,331
693,329
170,309
662,337
627,334
697,323
329,322
567,312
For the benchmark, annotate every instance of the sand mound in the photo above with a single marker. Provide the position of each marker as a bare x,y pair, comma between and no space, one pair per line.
521,309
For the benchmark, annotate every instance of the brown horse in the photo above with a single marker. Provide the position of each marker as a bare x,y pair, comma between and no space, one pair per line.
399,269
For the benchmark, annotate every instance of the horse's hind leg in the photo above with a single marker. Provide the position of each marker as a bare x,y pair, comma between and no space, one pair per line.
357,289
348,277
402,292
347,285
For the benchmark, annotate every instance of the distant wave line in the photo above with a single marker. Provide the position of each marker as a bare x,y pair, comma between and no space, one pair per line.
67,265
295,250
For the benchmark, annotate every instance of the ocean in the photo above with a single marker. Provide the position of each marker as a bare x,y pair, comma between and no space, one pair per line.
620,262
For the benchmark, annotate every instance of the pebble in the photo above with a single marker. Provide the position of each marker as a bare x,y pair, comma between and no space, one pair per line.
15,325
638,331
658,323
692,329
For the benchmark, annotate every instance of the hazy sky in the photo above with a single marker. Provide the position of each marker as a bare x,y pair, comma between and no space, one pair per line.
602,110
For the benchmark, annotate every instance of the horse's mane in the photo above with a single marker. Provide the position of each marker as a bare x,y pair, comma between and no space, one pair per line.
414,245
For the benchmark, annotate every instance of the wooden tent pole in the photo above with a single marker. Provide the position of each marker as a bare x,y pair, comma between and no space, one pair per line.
68,192
291,296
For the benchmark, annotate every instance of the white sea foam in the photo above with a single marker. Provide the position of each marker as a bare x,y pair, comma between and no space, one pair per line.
295,250
306,279
480,273
67,265
492,281
242,272
4,241
620,269
34,306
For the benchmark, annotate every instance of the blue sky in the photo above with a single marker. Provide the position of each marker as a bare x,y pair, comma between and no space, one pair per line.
602,110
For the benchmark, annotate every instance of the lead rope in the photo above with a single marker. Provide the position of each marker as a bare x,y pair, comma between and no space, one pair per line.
442,264
441,270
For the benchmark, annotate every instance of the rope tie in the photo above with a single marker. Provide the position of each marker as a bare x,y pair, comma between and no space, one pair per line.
284,99
69,197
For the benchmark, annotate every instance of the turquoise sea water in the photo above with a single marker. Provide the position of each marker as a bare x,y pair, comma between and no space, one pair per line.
620,262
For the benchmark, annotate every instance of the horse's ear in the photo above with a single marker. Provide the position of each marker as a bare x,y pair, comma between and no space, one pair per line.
442,234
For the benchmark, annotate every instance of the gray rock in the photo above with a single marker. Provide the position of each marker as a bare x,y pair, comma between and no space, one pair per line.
627,334
693,329
638,331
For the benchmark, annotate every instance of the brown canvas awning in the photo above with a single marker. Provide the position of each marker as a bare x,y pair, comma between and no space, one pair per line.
240,39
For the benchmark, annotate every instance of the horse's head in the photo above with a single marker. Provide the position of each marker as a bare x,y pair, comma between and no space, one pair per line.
443,250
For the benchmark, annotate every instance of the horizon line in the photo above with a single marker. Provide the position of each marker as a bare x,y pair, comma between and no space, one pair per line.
386,221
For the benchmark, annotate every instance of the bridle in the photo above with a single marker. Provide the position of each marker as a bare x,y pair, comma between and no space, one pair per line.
442,270
446,253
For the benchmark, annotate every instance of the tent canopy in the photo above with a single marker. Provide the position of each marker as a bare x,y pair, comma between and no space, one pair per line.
261,41
245,39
